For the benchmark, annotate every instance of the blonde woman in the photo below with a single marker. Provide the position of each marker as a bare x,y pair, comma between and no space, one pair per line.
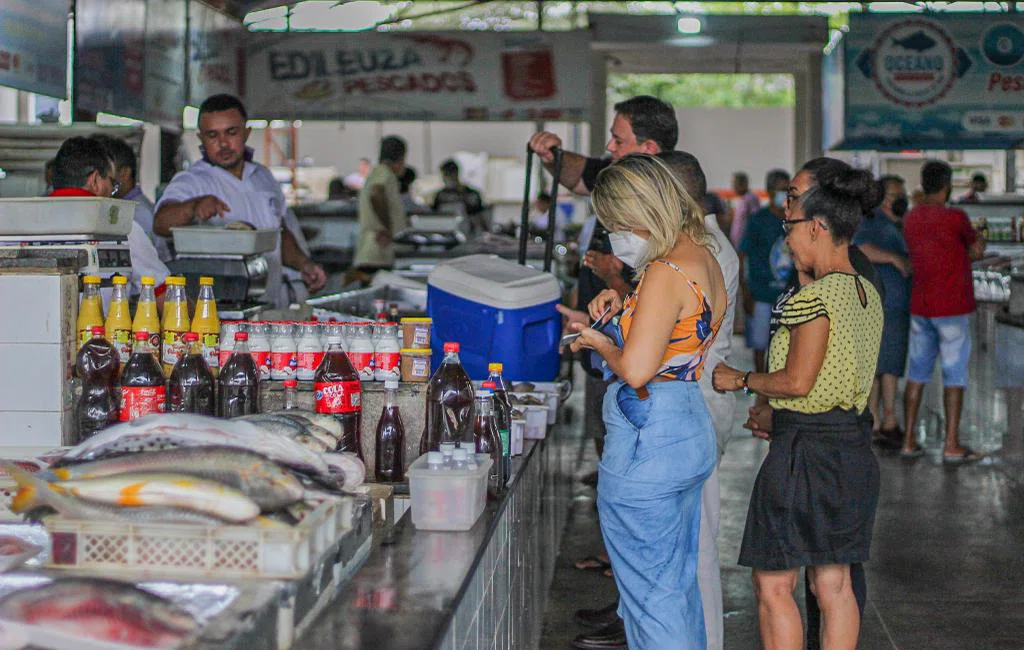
660,445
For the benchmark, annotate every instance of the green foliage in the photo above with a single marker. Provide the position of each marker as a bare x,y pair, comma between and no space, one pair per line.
706,90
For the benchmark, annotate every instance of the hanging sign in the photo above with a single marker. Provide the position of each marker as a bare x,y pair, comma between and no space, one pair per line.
34,46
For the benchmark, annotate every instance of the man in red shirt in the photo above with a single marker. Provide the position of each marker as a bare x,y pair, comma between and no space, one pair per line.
942,244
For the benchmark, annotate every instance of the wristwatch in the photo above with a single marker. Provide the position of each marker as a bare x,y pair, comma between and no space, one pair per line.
746,382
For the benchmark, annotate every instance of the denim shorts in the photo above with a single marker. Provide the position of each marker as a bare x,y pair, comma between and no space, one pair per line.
948,338
759,324
658,453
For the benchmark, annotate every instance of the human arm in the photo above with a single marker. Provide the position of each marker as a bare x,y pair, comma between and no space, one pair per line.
807,346
609,268
746,298
879,255
292,256
971,238
573,164
173,214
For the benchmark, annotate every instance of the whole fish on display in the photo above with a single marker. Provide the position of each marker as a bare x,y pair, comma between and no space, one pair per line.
102,610
297,428
328,422
260,479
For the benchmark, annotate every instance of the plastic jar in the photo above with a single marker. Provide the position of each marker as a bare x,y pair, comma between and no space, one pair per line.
283,352
387,359
416,333
309,351
415,364
259,347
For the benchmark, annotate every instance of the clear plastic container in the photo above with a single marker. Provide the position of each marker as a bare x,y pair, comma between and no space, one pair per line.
227,337
447,499
259,347
310,351
387,353
283,352
360,350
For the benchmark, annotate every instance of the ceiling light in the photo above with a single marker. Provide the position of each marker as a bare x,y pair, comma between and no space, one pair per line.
689,25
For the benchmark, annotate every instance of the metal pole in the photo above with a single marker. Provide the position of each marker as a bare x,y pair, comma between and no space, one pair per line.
524,221
549,241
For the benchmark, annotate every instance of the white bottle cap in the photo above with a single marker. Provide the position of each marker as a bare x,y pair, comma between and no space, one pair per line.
447,448
391,384
435,458
460,454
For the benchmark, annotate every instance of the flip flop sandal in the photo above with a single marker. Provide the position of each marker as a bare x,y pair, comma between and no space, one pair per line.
969,456
592,563
912,454
608,573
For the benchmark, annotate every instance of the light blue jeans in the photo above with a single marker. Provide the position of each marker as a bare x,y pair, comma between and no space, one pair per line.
658,452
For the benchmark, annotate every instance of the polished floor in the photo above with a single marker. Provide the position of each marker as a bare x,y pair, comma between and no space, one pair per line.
947,569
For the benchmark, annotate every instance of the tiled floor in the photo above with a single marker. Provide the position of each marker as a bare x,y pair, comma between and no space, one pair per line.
947,570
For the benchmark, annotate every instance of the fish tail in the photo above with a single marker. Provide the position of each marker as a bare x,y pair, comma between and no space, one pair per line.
32,491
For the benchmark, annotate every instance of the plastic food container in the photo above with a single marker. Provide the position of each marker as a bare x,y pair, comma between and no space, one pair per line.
216,240
447,499
516,435
416,365
536,421
416,332
97,216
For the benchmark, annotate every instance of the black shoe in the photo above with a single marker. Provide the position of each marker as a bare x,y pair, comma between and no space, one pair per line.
612,637
598,618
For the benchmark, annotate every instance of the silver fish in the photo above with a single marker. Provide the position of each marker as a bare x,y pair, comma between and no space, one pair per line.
260,479
293,427
324,420
311,443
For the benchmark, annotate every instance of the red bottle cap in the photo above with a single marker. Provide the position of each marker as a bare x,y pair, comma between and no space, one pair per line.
190,337
141,336
489,384
241,336
98,330
291,383
451,347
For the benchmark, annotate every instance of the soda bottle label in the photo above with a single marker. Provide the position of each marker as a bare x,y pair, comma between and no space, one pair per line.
506,441
387,364
338,396
262,360
139,401
283,365
307,363
174,347
84,336
363,364
211,350
122,340
222,357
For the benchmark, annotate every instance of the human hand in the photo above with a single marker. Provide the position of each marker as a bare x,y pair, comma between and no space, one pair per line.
759,421
608,300
314,276
209,206
570,316
383,238
902,265
590,339
726,379
605,265
542,143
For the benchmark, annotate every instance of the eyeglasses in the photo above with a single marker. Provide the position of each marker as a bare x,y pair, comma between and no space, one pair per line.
792,197
788,224
116,188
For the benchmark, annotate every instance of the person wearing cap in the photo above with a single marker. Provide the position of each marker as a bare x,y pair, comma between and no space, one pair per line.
229,185
83,168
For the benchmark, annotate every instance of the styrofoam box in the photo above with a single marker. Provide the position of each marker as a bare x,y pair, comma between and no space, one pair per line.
66,216
447,499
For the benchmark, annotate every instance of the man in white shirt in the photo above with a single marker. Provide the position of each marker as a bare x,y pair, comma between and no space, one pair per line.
227,184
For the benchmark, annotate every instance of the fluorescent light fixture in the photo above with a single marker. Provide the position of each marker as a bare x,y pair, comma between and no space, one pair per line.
689,25
190,117
700,40
257,124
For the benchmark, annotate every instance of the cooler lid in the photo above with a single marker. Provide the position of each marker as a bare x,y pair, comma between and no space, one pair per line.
495,282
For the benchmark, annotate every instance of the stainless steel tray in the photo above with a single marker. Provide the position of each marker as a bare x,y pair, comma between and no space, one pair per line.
214,240
360,301
102,218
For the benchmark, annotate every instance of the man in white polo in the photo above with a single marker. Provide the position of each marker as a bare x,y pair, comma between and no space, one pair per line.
226,183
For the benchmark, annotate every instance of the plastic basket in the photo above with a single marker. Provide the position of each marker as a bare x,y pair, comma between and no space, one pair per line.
447,499
206,551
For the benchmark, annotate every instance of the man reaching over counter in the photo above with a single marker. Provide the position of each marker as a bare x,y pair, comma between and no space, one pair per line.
227,184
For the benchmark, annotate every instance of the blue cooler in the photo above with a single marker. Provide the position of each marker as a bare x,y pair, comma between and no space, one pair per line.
498,311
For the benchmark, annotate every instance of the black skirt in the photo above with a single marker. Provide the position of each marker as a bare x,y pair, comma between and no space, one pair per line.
815,496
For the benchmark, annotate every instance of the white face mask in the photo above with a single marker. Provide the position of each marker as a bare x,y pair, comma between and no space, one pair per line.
628,247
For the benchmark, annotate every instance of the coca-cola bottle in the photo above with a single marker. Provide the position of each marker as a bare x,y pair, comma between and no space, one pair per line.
338,392
503,422
190,389
389,462
450,410
238,390
97,364
143,389
485,434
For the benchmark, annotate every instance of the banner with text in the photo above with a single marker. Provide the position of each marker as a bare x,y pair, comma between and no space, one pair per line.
934,81
34,46
420,76
216,53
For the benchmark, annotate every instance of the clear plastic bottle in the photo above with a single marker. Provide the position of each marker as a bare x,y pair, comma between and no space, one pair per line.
389,462
291,395
207,324
191,385
146,317
360,350
502,420
227,336
449,408
175,322
448,452
239,382
435,461
119,320
284,359
460,458
90,309
259,348
387,353
338,392
485,433
309,352
143,387
96,365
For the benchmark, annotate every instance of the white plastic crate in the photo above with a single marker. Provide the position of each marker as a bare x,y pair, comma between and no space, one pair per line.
536,421
203,551
516,436
447,499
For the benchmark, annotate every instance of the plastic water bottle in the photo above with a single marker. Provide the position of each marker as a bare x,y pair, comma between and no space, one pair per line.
435,461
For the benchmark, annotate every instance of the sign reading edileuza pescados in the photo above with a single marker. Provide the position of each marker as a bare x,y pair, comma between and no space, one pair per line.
435,76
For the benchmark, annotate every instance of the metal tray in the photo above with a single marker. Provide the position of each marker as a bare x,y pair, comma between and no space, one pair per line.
213,240
360,301
72,216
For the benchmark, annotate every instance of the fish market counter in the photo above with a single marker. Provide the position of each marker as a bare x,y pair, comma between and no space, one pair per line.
483,588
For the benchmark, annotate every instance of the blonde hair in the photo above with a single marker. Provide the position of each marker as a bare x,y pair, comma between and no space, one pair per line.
640,192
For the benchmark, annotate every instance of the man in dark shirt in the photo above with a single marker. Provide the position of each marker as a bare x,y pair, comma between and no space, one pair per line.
456,193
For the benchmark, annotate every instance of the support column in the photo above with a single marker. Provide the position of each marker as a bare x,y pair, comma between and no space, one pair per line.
807,113
598,103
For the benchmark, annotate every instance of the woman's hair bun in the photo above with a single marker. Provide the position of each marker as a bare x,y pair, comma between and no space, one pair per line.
855,184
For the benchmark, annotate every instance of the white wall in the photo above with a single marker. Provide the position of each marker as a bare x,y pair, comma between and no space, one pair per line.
725,140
